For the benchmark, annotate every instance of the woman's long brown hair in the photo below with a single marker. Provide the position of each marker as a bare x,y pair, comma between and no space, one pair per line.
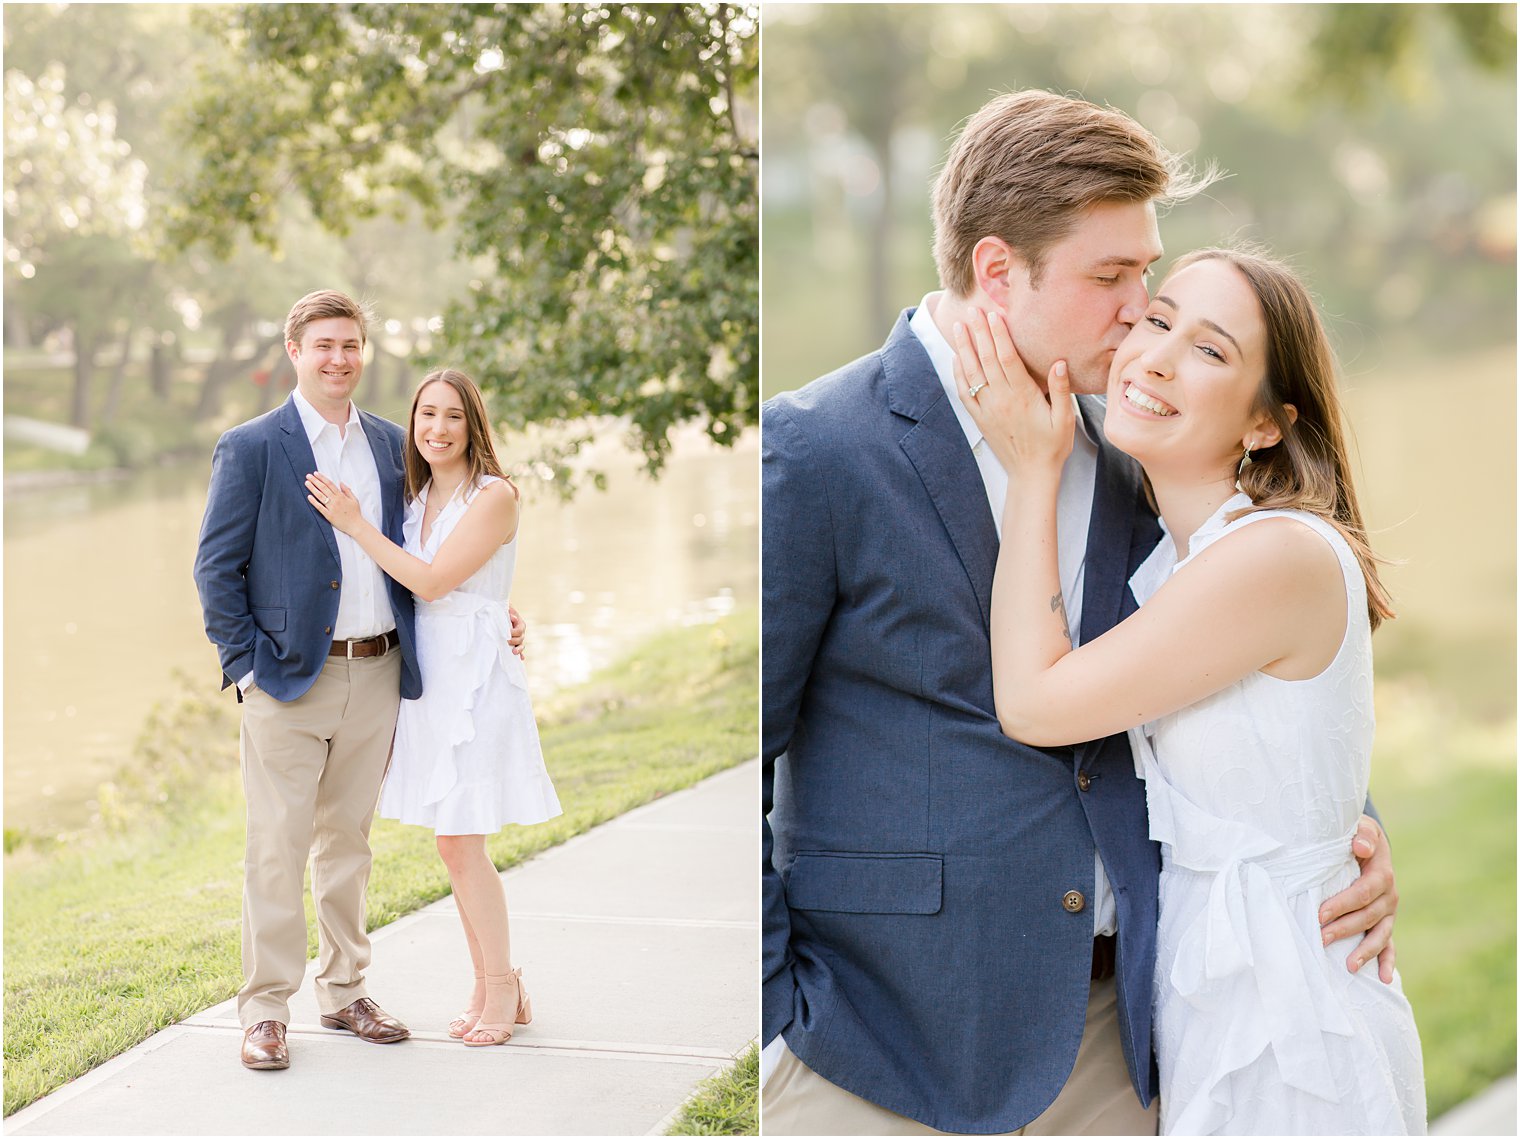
1310,468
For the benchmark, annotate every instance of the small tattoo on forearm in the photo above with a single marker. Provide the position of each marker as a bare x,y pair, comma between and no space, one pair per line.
1058,607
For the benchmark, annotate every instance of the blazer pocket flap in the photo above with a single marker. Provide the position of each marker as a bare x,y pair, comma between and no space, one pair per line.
269,618
852,883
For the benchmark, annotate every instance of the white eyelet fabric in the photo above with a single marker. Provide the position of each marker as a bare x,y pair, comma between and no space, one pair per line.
1254,794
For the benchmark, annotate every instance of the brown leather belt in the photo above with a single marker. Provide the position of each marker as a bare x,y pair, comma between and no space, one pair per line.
1105,955
365,646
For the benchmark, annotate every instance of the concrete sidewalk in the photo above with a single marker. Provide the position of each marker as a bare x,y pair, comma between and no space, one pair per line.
1491,1112
639,943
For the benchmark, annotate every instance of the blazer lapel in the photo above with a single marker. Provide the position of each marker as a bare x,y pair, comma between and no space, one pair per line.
1117,525
1111,531
936,446
302,462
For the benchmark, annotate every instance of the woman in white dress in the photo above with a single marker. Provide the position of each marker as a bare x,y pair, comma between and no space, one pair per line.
466,759
1244,680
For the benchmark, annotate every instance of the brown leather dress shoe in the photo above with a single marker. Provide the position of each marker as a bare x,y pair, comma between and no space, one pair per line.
264,1046
368,1021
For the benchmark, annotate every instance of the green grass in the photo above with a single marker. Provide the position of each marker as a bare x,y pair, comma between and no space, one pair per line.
1445,787
727,1104
1443,772
136,925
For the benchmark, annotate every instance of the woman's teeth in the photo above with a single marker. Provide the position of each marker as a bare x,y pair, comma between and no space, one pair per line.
1141,400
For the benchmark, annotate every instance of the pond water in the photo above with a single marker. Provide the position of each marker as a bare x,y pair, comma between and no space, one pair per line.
101,611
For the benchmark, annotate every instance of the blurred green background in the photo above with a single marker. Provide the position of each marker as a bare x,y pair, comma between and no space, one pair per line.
560,199
1373,146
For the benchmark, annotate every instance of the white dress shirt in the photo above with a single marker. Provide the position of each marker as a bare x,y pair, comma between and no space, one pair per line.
364,607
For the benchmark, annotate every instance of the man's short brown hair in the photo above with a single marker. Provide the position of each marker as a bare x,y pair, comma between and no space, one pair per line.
1028,164
322,305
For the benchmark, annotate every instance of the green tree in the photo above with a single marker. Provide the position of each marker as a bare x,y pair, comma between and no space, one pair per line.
1398,206
1359,47
87,89
599,163
74,201
90,160
873,70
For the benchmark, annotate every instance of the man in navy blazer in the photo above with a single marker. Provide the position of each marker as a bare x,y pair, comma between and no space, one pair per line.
960,929
321,646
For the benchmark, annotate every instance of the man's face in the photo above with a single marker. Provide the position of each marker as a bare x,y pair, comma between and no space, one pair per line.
329,361
1090,293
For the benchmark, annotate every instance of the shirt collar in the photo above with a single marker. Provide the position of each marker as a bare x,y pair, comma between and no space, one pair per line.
313,421
942,356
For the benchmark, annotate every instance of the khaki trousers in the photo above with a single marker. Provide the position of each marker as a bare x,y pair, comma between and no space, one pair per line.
1097,1098
311,776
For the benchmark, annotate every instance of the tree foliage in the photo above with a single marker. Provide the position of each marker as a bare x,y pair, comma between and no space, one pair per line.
598,162
66,172
86,161
1359,43
1376,148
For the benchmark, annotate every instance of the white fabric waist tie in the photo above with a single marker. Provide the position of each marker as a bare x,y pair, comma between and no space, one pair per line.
452,720
1244,957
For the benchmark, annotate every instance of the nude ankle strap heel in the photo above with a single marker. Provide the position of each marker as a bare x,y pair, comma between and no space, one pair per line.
524,1004
501,1033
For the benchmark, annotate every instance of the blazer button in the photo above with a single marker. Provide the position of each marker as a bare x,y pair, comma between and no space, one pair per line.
333,584
1074,901
1084,781
328,630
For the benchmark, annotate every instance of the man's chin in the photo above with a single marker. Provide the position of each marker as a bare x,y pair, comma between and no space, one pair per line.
1094,382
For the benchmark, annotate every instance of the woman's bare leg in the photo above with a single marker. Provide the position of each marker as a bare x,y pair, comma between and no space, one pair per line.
477,963
482,905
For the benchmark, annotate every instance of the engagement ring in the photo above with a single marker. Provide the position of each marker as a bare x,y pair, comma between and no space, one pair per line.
976,389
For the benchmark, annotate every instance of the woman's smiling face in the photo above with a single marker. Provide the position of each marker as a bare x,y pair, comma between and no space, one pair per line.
1183,387
439,428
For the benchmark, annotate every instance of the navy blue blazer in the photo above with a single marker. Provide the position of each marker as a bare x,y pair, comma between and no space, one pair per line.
917,951
267,561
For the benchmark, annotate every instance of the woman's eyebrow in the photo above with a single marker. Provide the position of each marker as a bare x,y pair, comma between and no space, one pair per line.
1203,321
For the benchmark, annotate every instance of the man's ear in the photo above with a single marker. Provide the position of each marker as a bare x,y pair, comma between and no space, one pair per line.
293,350
997,269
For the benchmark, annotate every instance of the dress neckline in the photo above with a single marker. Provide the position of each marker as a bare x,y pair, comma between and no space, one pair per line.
460,499
422,496
1162,561
1213,527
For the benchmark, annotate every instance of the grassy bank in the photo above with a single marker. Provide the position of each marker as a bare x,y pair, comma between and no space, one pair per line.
727,1104
1445,787
136,925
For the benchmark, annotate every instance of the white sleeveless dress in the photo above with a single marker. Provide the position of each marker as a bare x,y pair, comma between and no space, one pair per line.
1254,794
466,758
